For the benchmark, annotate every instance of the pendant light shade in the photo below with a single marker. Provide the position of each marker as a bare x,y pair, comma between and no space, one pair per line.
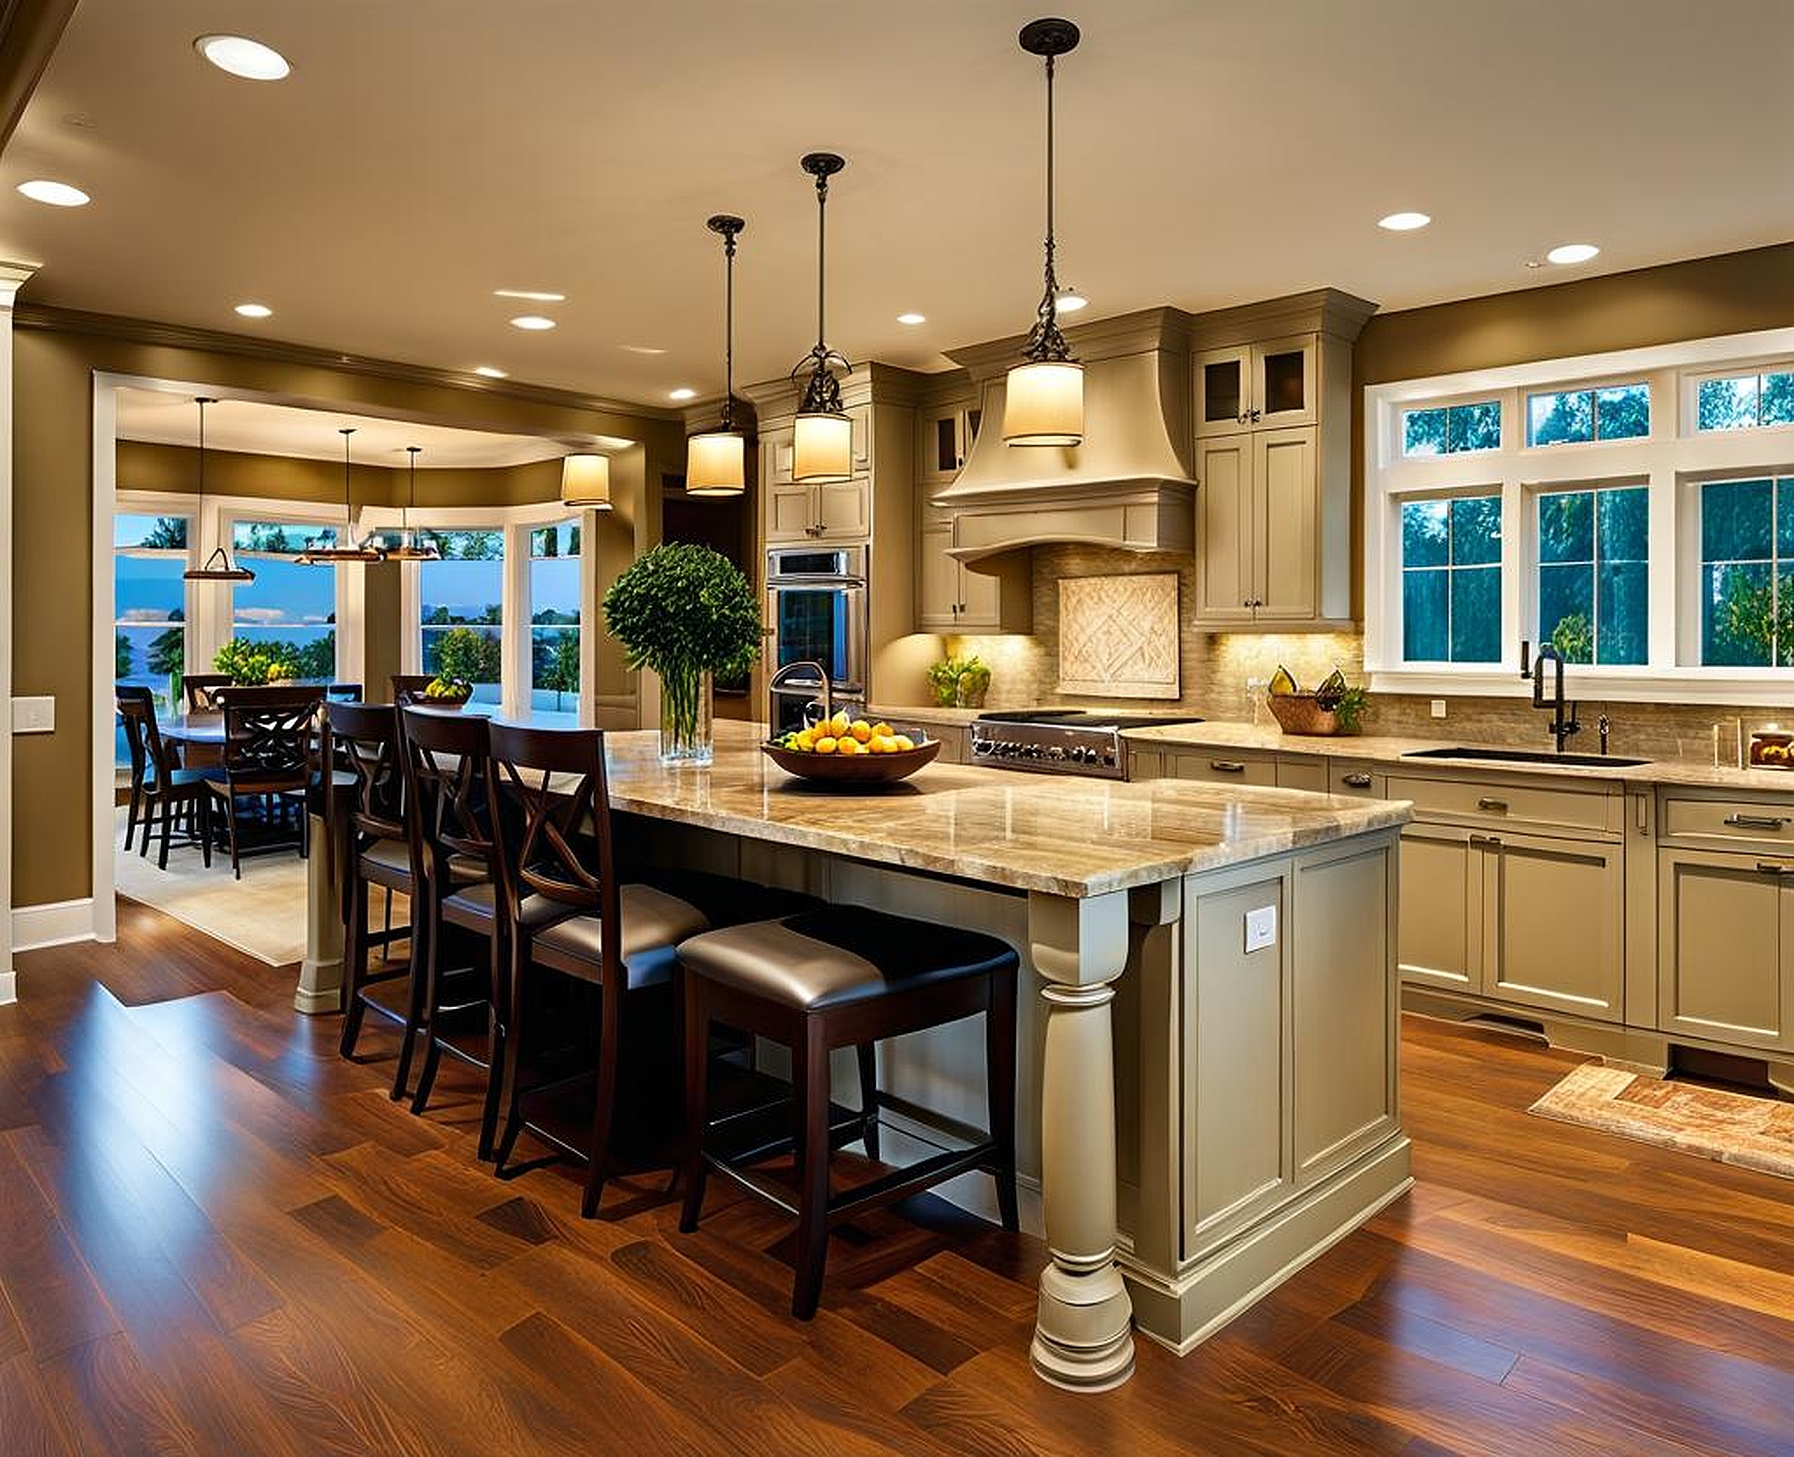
348,549
716,460
822,441
217,566
408,549
1044,401
585,481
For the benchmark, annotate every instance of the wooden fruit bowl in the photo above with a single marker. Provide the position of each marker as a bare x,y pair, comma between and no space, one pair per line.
853,768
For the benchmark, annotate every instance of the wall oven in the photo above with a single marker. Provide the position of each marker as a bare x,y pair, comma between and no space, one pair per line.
816,609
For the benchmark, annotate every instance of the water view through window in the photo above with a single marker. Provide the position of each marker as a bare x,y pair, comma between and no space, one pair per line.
461,609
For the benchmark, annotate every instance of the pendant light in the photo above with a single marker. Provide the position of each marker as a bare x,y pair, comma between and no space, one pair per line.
822,442
408,549
585,481
218,566
1044,402
716,460
351,550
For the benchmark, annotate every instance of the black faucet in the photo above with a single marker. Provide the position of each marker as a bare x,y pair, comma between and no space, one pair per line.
1561,728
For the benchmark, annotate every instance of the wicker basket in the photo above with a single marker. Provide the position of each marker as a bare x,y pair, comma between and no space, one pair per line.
1301,713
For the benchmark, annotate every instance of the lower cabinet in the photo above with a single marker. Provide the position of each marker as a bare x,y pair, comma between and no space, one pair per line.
1725,947
1440,940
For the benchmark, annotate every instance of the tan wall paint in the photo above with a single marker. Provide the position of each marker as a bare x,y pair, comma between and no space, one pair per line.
53,516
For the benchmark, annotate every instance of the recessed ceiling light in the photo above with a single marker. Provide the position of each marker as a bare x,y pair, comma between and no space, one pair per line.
489,372
529,295
1069,301
1572,253
57,194
912,318
1404,222
684,392
531,321
241,56
640,349
254,311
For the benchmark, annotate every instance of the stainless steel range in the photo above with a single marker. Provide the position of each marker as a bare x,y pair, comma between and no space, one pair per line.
1061,740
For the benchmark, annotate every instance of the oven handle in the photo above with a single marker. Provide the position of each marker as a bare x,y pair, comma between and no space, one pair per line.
816,579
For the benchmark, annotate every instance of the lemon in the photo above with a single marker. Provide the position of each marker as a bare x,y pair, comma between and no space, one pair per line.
840,724
848,746
825,746
902,742
860,729
882,744
882,730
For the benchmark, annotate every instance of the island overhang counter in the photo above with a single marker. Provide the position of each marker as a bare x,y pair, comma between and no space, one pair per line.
1208,1082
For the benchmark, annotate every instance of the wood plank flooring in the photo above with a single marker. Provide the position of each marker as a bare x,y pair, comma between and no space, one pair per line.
218,1238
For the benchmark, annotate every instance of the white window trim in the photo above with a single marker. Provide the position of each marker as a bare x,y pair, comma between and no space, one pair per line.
1669,461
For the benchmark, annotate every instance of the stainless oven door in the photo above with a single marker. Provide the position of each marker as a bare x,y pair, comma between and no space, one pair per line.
824,622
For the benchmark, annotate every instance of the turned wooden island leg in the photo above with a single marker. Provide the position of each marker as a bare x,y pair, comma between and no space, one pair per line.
1083,1338
321,973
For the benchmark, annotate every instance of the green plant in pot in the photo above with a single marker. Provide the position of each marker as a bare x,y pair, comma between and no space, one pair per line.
687,613
959,681
251,664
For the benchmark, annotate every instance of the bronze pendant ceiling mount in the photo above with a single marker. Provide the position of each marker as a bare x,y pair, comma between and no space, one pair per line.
408,549
351,550
822,438
218,566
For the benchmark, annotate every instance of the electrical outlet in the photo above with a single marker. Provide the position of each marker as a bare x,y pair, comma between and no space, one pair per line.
1261,928
1438,708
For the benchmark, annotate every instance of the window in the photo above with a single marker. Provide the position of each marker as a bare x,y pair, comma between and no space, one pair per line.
554,617
1567,417
1593,576
1451,579
461,609
1744,401
1747,572
288,609
1448,429
149,556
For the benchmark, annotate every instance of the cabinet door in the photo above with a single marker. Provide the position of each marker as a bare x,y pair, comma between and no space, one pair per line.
1440,928
862,437
1555,919
1223,391
790,512
980,600
845,511
943,440
1725,949
776,460
1224,524
937,581
1285,567
1283,382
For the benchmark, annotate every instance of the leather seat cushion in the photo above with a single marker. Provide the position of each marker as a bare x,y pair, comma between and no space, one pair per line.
726,901
480,902
654,924
392,856
840,954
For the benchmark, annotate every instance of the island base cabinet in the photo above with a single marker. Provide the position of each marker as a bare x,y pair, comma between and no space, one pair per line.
1725,948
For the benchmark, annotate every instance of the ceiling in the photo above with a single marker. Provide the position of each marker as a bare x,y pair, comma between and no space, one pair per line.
263,429
426,152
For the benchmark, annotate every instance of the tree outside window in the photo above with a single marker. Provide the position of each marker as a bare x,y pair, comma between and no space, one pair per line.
461,609
1451,579
1747,573
1593,576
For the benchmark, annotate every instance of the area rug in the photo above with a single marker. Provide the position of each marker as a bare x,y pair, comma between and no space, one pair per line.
1732,1128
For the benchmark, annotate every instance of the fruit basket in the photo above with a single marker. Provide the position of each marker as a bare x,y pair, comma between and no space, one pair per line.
1771,749
843,751
1302,713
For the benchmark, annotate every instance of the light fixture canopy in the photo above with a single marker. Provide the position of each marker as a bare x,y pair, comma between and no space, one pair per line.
350,550
716,460
218,567
1044,400
409,549
822,438
585,481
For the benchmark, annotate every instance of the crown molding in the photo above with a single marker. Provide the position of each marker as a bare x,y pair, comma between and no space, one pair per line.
13,277
183,336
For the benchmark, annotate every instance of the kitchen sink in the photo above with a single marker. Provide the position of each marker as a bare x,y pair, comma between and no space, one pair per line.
1527,756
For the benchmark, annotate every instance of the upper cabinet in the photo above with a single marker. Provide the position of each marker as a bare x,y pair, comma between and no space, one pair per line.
944,436
797,511
1253,386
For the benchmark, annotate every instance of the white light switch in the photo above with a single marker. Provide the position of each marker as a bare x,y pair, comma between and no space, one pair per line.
1438,708
33,715
1261,928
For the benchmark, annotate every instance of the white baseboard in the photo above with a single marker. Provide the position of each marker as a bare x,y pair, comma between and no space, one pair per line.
9,988
54,924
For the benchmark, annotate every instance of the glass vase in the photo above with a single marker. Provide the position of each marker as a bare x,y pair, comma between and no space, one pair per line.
686,732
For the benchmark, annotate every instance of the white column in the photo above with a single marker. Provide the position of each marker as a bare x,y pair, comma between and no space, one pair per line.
13,276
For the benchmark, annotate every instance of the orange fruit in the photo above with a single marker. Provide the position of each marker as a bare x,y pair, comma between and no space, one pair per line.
848,746
882,730
882,744
861,730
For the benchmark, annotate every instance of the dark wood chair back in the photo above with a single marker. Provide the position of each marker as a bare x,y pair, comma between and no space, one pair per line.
409,688
200,689
554,825
447,798
268,738
149,757
365,740
270,695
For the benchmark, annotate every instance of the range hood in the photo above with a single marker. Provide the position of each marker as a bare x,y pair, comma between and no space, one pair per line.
1128,485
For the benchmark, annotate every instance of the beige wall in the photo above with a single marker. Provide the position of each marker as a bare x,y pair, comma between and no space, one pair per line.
53,515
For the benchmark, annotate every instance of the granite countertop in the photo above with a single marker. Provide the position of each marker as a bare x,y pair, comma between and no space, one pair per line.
1069,837
1388,753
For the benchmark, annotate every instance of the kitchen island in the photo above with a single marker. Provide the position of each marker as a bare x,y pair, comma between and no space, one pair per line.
1208,1082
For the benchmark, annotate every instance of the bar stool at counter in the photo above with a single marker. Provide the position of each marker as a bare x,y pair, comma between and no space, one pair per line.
844,976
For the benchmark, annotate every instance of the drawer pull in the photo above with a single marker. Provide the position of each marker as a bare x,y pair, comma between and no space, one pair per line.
1227,766
1756,822
1494,806
1484,840
1769,867
1356,781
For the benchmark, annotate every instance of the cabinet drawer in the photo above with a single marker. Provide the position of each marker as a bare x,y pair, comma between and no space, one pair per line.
1729,821
1354,777
1224,766
1301,772
1485,801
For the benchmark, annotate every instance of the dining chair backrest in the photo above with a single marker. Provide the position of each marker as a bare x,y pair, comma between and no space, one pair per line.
344,692
137,709
268,736
553,822
447,803
270,695
201,688
409,687
365,739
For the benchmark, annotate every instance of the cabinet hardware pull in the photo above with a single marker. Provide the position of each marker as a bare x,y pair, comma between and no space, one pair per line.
1756,822
1494,806
1245,417
1257,415
1227,766
1644,814
1769,867
1484,840
1357,781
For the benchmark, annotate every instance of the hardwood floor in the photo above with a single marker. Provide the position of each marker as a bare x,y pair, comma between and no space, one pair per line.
218,1238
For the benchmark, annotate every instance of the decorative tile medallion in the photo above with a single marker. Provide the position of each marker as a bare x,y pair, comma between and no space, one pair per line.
1118,636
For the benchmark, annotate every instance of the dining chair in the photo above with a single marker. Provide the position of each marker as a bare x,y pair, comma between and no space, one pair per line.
408,688
200,690
159,784
267,758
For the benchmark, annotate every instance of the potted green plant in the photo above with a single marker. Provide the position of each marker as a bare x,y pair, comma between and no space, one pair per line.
252,664
687,613
959,681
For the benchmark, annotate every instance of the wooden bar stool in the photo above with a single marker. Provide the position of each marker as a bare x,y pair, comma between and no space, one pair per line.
844,976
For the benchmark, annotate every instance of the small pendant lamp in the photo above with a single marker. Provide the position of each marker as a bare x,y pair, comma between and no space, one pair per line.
822,443
218,566
408,549
585,481
1044,402
716,460
350,550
